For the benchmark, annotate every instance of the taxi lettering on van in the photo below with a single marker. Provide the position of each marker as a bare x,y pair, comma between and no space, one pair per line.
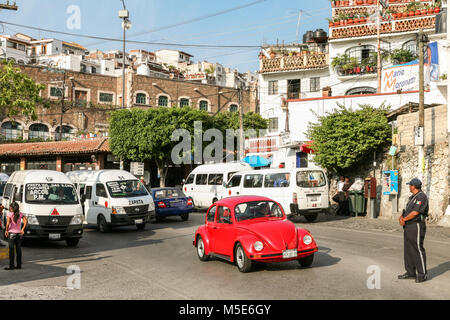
134,202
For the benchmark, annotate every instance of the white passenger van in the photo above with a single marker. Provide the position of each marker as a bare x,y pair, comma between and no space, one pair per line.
299,191
205,184
49,201
113,198
3,180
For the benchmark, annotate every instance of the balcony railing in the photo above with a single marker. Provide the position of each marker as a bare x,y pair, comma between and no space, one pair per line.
394,26
304,62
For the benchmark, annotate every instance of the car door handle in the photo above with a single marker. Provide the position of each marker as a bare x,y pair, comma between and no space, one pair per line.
216,228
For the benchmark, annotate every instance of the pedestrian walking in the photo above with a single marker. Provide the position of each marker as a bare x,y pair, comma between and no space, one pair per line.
339,197
15,229
414,225
345,211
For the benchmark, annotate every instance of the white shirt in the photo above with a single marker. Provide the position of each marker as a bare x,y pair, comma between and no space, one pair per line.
341,186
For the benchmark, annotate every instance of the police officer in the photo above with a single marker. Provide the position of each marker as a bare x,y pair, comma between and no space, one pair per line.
413,223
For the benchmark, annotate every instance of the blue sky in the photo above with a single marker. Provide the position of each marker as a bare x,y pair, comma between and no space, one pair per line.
264,22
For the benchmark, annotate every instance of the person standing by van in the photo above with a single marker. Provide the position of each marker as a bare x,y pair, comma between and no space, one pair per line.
14,234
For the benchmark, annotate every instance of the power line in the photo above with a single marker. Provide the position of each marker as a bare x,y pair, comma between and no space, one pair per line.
134,41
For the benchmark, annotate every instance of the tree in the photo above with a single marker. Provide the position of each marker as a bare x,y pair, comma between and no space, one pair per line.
345,138
19,94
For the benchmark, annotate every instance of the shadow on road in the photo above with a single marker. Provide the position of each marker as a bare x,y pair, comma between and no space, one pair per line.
439,270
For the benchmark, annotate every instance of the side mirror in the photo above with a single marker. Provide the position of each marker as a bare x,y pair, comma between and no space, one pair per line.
224,184
183,181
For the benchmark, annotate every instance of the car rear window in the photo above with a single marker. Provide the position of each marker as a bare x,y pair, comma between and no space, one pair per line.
311,179
169,193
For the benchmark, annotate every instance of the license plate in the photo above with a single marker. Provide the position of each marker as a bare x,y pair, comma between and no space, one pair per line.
289,254
140,221
54,236
313,199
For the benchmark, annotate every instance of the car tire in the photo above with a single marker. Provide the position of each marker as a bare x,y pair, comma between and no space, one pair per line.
311,217
185,217
307,261
141,227
243,262
72,242
102,225
201,250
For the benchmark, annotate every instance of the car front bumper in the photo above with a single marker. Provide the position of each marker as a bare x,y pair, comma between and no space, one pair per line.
278,257
43,232
119,220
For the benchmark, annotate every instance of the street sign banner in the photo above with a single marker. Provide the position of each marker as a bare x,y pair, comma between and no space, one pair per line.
137,168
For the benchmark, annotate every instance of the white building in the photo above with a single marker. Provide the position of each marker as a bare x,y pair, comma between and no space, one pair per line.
14,48
173,58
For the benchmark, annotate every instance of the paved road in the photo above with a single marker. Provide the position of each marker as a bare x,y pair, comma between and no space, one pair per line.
160,263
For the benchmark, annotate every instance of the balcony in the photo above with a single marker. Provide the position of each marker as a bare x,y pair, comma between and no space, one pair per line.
398,25
295,63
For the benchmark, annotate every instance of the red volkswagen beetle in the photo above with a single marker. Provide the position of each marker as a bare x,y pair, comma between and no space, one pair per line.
251,228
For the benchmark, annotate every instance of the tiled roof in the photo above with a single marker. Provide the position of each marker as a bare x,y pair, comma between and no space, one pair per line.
54,148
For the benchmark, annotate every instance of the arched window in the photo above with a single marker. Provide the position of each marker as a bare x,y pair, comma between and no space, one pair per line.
184,102
361,53
163,101
204,105
411,46
38,131
141,98
361,90
234,108
12,130
68,133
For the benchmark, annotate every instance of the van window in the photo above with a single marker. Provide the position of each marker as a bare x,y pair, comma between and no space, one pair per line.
215,179
100,191
2,187
311,179
234,182
211,214
88,192
7,192
230,175
50,193
277,180
126,189
190,179
201,180
253,181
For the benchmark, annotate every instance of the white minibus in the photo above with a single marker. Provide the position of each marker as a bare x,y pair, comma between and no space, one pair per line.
299,191
205,184
113,198
49,200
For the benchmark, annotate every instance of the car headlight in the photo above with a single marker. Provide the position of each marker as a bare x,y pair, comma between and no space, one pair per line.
307,240
32,220
118,210
258,246
77,220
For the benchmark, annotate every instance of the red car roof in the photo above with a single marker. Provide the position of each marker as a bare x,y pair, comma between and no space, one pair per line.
233,201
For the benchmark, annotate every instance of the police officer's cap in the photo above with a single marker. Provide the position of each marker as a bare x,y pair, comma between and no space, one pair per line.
416,183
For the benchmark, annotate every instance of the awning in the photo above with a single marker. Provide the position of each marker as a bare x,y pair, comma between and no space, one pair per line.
307,148
257,161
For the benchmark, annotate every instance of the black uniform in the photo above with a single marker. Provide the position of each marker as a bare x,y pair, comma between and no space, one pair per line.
414,236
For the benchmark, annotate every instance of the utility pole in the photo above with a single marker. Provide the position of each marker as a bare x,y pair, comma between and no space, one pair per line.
378,46
126,25
421,129
241,124
62,107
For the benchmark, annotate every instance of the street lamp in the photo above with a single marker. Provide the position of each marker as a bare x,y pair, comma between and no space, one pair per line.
126,25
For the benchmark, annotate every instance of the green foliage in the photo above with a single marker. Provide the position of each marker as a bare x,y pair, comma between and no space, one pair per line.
230,120
19,94
345,138
400,56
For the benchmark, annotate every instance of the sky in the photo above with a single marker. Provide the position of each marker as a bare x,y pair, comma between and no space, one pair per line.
264,22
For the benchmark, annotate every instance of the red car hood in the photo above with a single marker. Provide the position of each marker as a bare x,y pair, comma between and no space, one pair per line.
276,233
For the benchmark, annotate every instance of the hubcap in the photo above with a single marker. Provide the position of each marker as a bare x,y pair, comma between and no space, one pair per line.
200,248
240,258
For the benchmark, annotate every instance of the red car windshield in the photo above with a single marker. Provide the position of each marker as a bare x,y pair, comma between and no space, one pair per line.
257,209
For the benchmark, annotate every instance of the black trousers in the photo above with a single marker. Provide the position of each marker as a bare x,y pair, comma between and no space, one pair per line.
415,256
15,246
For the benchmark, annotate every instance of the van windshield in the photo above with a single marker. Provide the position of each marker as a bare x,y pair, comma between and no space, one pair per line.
126,189
2,187
50,193
311,179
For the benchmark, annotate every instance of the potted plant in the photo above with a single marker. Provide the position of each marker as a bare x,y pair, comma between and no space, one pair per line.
359,2
437,7
339,63
330,22
273,54
370,2
402,56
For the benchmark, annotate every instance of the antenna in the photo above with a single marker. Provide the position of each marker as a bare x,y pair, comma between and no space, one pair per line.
300,14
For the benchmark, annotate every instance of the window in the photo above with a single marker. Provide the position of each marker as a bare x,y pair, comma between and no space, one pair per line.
257,209
224,216
81,98
41,164
361,53
211,214
44,50
163,101
100,190
21,47
68,133
93,70
56,92
141,98
253,181
38,131
234,182
230,175
234,108
106,97
273,124
83,68
411,46
361,90
311,179
273,88
11,130
204,105
294,89
11,45
215,179
190,179
277,180
8,190
201,180
315,84
184,103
